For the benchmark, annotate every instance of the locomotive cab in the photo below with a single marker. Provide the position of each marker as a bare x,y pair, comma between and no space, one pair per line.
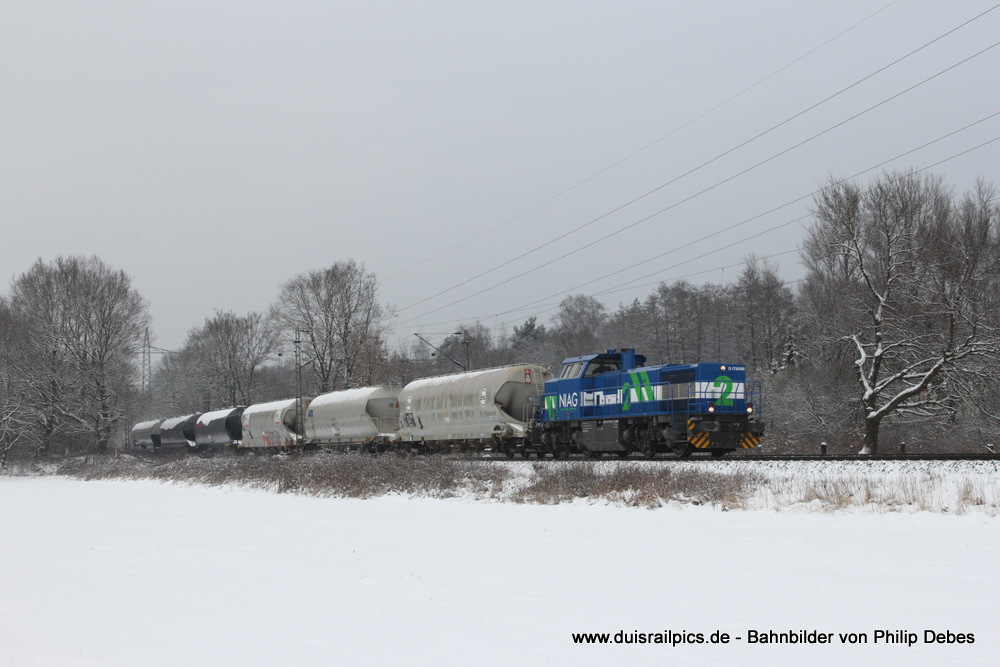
590,381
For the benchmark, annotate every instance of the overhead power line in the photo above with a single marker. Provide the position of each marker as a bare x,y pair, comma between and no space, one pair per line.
622,287
710,161
644,148
554,306
629,285
699,193
768,212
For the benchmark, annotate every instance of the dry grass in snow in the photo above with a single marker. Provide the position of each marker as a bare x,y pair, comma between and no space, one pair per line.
861,486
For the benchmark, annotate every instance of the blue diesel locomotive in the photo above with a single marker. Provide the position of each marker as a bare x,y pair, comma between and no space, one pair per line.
612,403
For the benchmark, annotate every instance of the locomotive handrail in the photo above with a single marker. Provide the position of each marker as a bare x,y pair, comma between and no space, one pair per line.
533,410
664,402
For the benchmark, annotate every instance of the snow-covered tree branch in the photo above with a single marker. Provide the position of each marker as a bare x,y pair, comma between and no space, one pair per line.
916,273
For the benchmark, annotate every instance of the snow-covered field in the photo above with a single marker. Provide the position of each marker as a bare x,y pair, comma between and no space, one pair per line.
145,573
873,486
858,486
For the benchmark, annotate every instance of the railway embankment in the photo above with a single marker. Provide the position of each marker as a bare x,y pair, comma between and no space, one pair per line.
863,486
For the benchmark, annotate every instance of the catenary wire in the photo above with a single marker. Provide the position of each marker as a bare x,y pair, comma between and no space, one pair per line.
644,148
629,286
703,191
706,163
768,212
554,306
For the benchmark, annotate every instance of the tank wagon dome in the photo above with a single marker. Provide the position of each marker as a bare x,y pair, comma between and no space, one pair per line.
272,424
353,415
473,405
220,427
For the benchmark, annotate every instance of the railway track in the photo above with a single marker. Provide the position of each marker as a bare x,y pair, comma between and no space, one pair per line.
768,457
162,458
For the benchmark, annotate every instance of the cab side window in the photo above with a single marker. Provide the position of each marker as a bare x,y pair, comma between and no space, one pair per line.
571,370
599,366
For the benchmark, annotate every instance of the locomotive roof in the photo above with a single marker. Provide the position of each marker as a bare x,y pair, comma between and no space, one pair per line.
585,357
610,354
640,359
700,364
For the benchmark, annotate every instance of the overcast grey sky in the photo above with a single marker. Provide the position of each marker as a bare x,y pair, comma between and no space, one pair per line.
213,150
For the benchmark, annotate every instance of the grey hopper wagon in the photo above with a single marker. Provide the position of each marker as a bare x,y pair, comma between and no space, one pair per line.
492,404
273,424
219,428
353,416
146,435
179,431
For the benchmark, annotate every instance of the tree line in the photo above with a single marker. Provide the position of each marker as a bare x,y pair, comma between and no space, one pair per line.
893,334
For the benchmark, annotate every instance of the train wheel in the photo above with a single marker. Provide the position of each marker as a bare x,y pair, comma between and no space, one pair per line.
623,455
525,454
718,453
594,455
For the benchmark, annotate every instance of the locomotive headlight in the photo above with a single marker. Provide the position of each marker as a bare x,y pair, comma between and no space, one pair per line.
711,407
749,408
722,368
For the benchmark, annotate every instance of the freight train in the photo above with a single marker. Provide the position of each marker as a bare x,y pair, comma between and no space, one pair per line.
606,403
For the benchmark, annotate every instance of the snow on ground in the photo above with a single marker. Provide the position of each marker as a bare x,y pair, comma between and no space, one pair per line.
861,486
144,573
871,486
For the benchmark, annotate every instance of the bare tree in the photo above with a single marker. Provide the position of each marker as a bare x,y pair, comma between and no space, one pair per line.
763,312
230,350
531,342
35,381
340,320
84,324
903,277
577,326
633,325
475,346
180,384
689,324
14,421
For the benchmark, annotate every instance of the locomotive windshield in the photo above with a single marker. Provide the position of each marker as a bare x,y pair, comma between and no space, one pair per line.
598,366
